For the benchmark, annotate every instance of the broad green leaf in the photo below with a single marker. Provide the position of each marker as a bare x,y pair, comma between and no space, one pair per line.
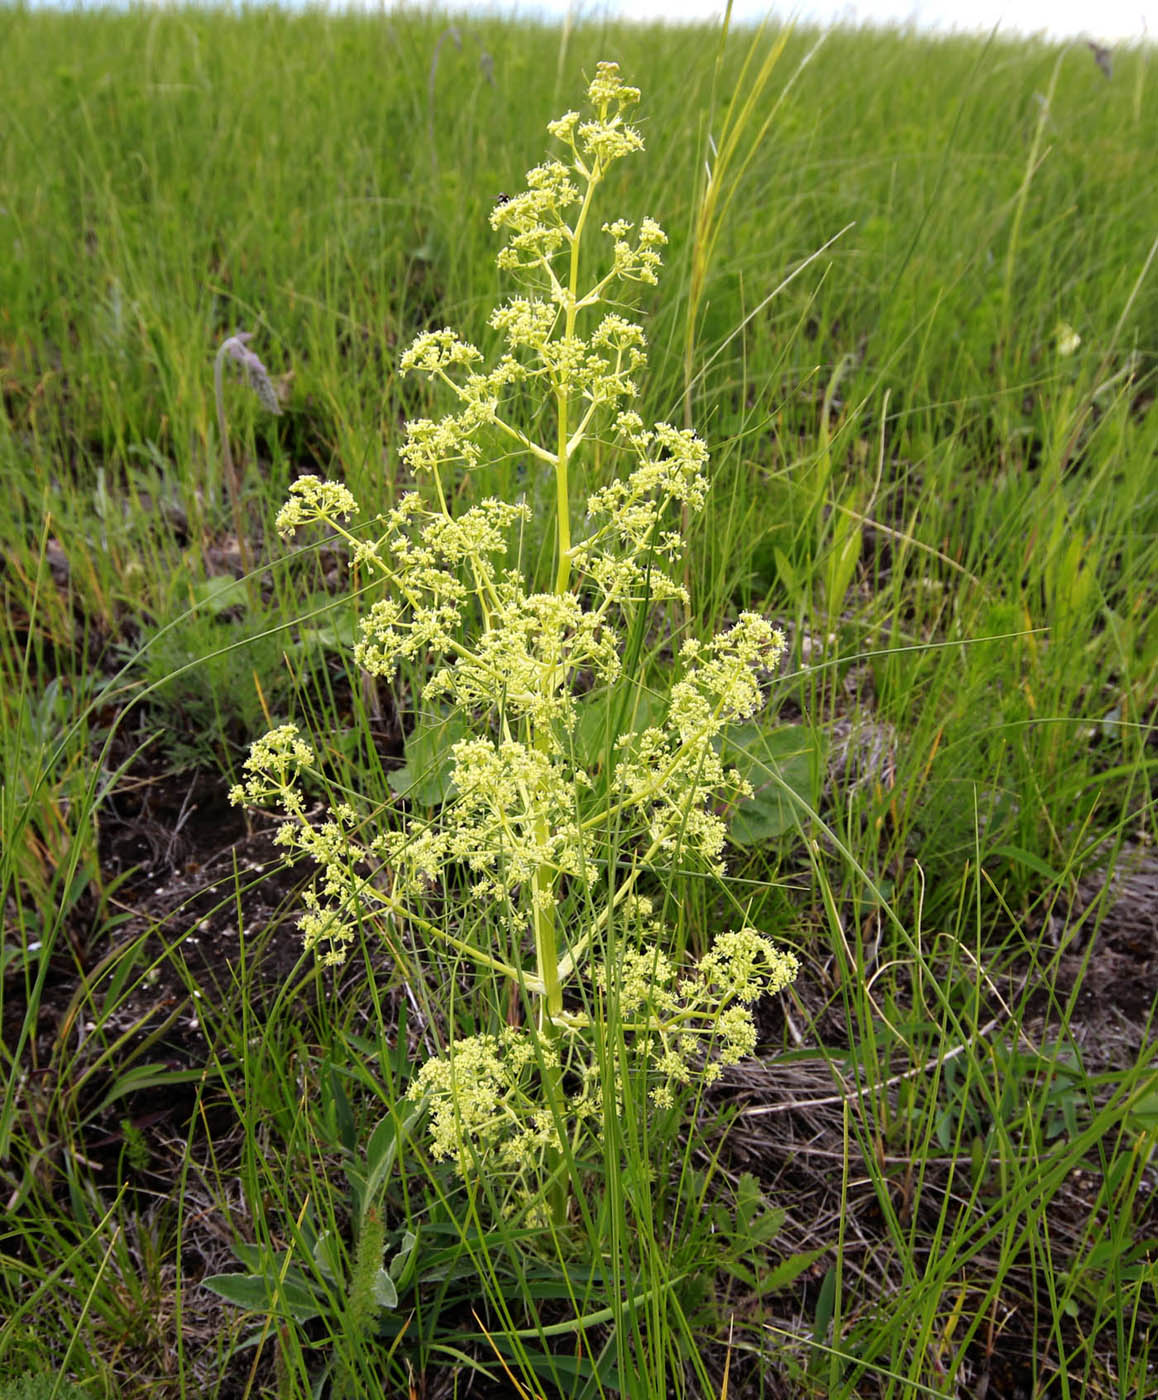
784,767
598,714
327,1256
398,1265
425,777
258,1293
382,1149
219,594
385,1294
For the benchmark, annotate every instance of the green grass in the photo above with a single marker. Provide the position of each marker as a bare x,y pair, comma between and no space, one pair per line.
956,524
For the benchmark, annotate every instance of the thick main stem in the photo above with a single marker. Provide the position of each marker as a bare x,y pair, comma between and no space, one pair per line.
562,457
546,941
562,398
543,895
562,462
544,910
543,917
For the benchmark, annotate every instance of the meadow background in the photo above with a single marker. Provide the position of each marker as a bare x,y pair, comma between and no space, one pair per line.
917,323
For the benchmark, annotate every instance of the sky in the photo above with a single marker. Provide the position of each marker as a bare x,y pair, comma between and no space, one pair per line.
1108,21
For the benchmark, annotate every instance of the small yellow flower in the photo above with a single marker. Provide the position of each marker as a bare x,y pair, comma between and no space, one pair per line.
1066,338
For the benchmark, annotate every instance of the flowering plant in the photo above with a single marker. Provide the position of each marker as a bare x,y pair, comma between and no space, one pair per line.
556,835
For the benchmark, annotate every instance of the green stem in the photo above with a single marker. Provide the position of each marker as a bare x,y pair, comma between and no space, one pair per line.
544,922
546,939
544,911
562,462
562,398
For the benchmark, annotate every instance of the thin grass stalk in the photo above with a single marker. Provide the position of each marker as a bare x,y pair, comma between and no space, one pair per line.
232,483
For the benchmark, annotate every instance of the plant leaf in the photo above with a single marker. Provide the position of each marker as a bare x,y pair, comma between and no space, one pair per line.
258,1293
784,766
425,777
220,593
385,1294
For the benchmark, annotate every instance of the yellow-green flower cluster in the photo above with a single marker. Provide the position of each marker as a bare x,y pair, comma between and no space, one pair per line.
537,218
534,646
436,566
546,356
513,815
627,544
681,1028
479,1101
528,810
519,808
669,774
311,500
484,1094
273,771
488,1111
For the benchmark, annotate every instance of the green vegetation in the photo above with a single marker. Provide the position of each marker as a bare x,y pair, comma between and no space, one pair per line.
909,301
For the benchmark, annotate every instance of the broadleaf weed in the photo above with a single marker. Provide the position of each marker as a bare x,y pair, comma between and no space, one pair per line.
572,836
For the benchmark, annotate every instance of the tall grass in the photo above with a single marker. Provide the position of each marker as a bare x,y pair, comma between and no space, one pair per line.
955,521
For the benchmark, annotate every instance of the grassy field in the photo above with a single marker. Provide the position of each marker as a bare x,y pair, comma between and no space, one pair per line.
910,302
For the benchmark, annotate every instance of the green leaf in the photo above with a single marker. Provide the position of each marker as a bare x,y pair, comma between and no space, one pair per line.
425,777
1142,1114
787,574
343,1113
336,629
600,713
399,1270
327,1256
825,1307
382,1149
258,1293
842,561
246,1290
1019,856
756,1221
790,1269
218,595
147,1076
385,1294
256,1258
784,766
